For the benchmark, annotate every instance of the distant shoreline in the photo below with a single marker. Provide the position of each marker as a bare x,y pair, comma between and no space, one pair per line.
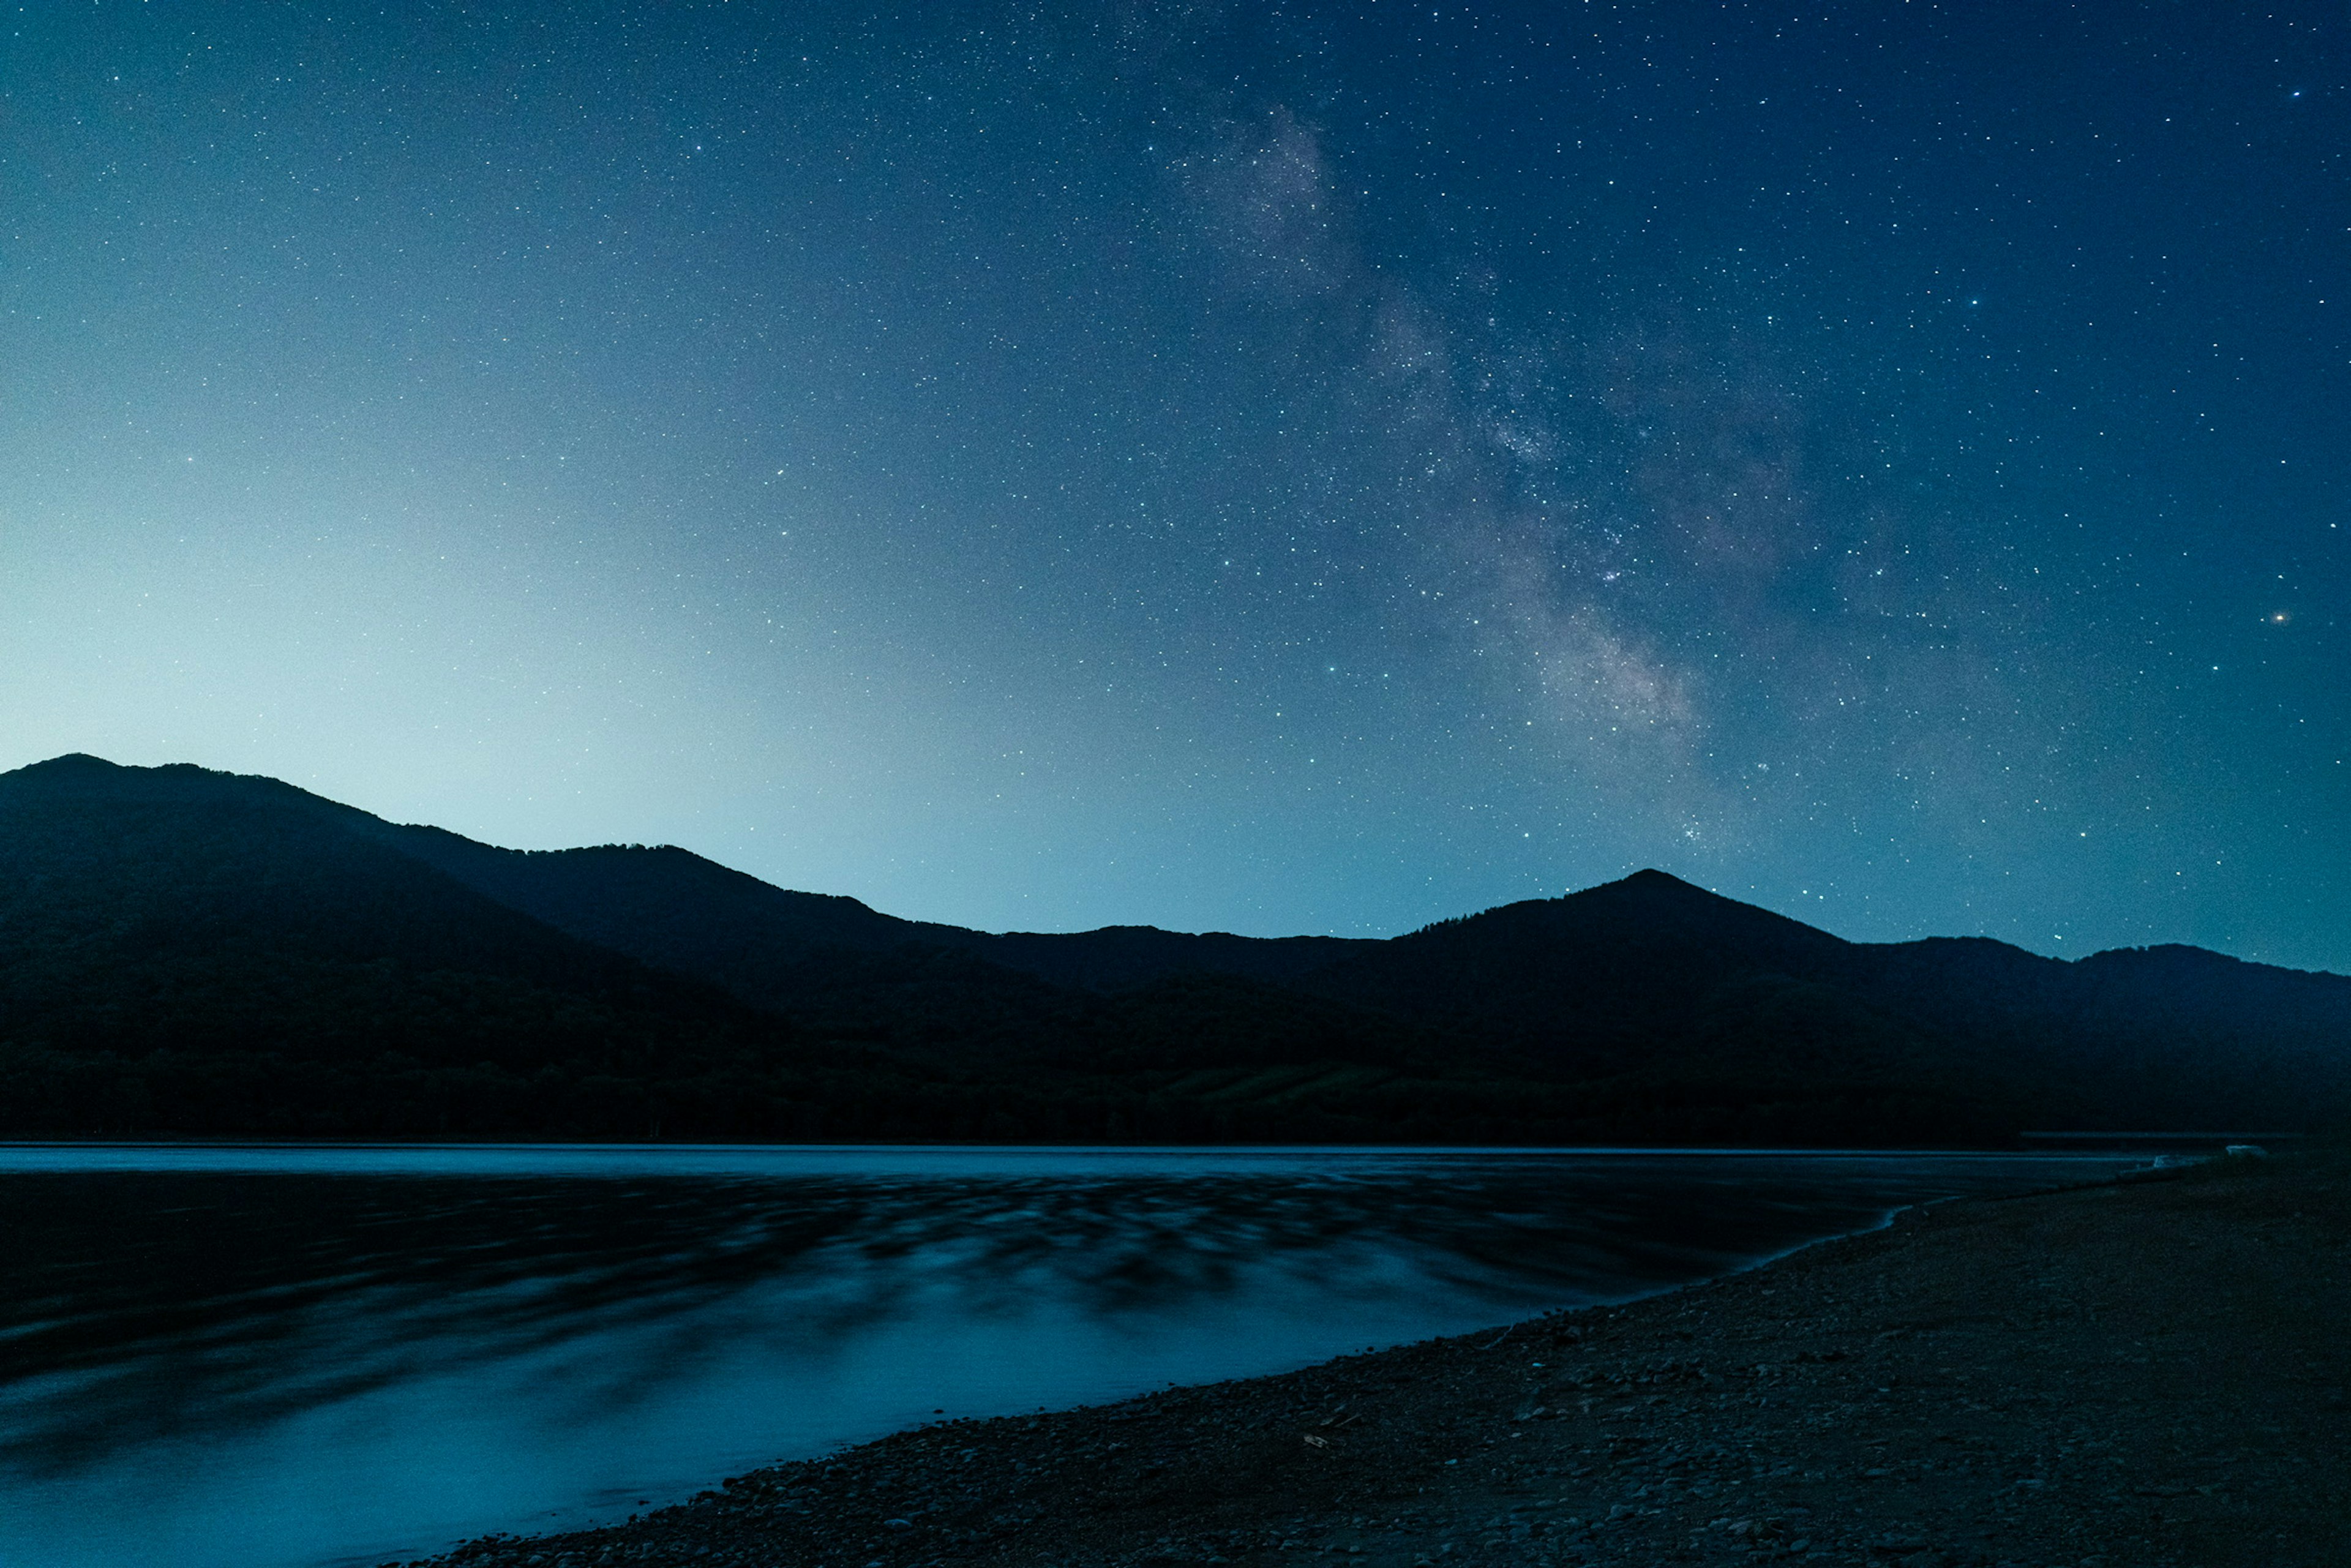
2124,1142
507,1159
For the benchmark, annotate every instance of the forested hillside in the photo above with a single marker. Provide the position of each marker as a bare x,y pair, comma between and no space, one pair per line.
188,952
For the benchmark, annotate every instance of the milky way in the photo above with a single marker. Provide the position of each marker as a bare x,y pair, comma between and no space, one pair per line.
1263,468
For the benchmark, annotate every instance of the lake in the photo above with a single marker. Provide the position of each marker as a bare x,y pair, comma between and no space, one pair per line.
305,1356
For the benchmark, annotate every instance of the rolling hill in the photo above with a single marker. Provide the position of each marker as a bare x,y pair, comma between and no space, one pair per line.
186,951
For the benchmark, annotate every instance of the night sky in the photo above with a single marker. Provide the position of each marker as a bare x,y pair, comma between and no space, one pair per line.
1268,468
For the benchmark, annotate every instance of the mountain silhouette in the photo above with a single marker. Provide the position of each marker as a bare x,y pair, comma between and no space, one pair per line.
184,950
671,907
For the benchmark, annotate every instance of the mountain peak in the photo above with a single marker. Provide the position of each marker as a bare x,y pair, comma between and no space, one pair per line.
1651,877
79,776
72,762
1658,890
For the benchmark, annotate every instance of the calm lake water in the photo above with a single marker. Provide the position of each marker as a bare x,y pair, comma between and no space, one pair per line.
296,1356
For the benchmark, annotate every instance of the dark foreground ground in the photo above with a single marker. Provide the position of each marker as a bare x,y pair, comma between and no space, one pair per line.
2152,1373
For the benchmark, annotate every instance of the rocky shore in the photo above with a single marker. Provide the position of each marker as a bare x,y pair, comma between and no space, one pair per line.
2145,1373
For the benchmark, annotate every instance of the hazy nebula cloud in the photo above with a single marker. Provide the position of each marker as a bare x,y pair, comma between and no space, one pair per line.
1607,509
1457,464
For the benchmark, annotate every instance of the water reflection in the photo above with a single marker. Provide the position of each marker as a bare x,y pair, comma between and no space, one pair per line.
303,1355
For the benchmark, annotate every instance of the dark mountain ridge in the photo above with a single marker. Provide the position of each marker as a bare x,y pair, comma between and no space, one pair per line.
183,916
671,906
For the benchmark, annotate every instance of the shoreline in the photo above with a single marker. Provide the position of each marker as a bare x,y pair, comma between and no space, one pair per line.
2145,1371
2118,1144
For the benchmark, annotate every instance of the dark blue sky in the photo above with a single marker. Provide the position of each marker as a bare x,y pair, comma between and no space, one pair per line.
1270,469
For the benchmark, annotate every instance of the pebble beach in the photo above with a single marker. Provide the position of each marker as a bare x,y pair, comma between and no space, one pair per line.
2149,1371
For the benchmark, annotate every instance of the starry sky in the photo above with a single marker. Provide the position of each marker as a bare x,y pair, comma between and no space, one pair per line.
1266,467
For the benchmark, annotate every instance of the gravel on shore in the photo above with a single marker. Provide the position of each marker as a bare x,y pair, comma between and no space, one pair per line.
2150,1373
